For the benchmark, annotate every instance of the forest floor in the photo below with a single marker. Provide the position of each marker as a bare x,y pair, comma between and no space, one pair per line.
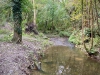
16,58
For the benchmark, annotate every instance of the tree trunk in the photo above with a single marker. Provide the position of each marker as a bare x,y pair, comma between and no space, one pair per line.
17,17
97,17
99,1
34,20
91,22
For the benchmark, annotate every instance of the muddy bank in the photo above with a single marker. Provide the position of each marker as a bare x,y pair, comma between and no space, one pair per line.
14,58
62,41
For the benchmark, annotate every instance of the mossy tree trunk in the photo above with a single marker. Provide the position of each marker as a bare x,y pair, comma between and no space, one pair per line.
17,17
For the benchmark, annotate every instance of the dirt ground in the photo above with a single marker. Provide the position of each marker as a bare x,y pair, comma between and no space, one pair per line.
14,58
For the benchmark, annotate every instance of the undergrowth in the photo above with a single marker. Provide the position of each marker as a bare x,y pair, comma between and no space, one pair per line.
76,37
43,39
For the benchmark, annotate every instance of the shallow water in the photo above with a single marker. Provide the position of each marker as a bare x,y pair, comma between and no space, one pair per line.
61,60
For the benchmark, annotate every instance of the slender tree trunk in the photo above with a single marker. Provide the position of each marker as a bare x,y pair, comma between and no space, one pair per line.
89,13
82,13
91,22
17,17
53,16
34,19
82,20
97,16
90,4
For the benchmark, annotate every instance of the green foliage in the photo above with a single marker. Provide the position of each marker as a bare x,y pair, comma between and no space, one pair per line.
42,35
52,16
5,11
87,32
24,22
5,35
64,33
93,50
6,38
27,10
26,6
96,41
76,37
2,31
43,39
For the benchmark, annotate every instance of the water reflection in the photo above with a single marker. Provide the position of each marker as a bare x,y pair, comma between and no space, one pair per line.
61,60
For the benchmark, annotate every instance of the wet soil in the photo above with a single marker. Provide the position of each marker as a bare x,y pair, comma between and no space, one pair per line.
62,41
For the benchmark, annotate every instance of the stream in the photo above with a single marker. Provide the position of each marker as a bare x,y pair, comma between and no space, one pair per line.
62,60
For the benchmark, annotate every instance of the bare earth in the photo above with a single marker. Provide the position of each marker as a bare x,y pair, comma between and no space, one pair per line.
14,59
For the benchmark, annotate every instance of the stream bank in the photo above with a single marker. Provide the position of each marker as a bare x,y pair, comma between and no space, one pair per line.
16,58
